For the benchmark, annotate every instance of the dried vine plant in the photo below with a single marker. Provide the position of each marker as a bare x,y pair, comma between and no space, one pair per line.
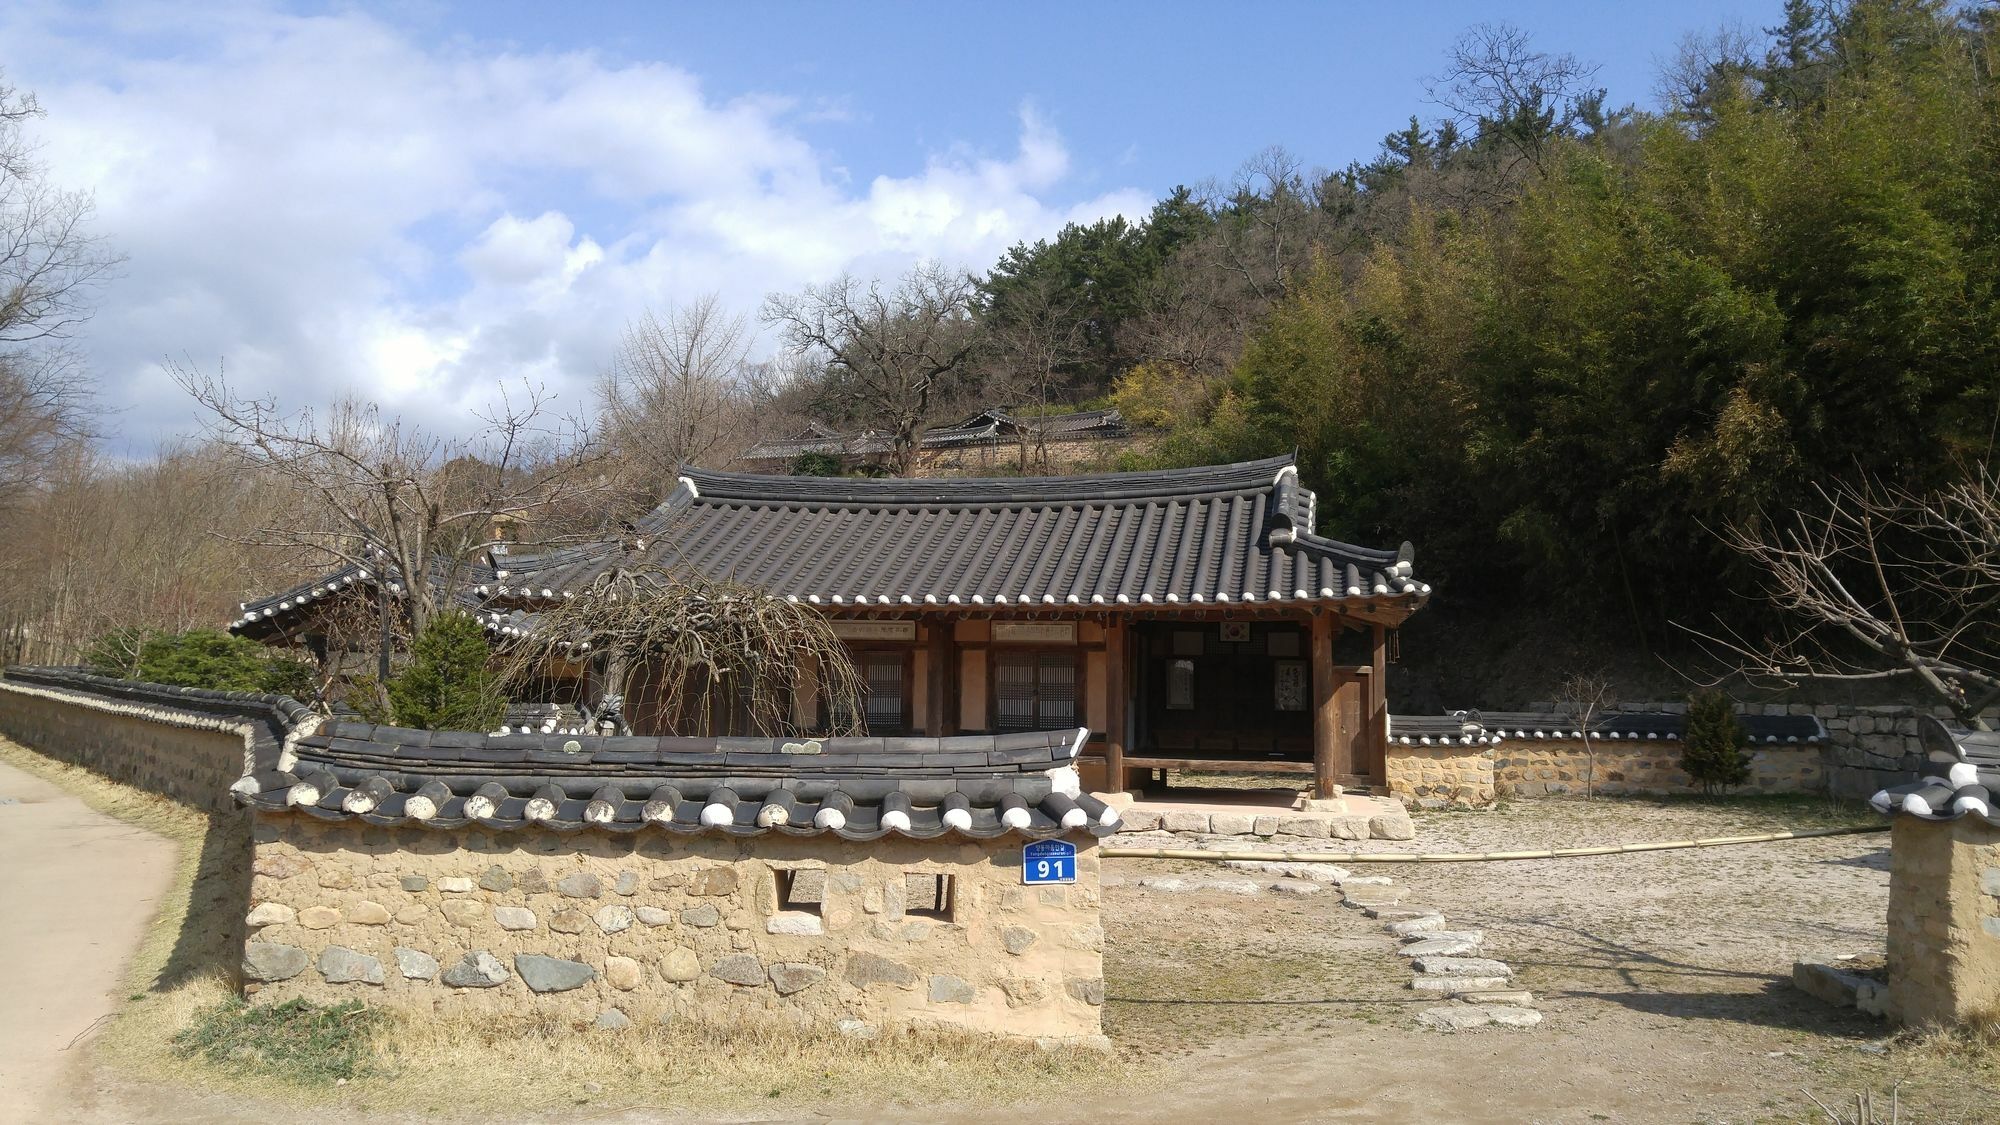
687,647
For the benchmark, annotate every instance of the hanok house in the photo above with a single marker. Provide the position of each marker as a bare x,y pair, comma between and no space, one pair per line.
1191,619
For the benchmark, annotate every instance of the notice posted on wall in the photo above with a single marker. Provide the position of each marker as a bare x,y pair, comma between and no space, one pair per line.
1048,861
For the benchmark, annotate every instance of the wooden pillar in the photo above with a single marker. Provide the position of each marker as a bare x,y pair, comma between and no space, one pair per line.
1326,707
1378,710
938,676
1117,690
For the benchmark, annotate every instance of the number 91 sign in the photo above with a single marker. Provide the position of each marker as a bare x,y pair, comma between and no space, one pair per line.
1048,861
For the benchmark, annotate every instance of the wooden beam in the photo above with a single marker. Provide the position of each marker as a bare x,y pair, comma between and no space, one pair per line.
1327,763
1377,765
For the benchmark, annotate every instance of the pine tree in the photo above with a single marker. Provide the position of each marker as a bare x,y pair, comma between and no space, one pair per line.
1712,747
447,685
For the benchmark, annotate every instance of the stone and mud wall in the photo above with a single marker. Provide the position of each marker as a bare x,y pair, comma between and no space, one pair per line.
1475,776
623,928
1944,920
191,757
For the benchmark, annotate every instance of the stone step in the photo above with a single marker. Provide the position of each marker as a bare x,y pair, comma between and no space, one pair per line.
1425,924
1453,985
1443,966
1372,895
1439,947
1298,887
1454,935
1507,997
1177,883
1398,913
1467,1017
1312,872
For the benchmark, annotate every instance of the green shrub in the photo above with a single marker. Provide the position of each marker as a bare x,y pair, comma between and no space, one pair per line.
1712,748
200,658
448,685
816,465
297,1040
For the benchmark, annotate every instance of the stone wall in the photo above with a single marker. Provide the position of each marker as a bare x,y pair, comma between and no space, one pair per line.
1944,920
619,928
1435,777
189,757
1869,748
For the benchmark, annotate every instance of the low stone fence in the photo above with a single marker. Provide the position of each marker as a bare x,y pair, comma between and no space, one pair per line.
621,929
1475,776
183,743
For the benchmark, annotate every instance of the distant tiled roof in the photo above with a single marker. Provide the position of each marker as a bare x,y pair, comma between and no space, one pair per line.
1241,534
978,786
986,427
1464,728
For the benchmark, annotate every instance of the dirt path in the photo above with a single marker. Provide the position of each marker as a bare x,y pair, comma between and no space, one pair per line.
76,891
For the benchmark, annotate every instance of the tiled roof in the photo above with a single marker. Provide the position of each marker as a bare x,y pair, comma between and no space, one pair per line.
1970,764
1465,728
979,786
1217,535
989,426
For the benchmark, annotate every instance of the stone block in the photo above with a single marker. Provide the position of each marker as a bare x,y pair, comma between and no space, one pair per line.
739,969
680,965
1438,946
1309,827
788,977
496,879
1181,820
1372,896
1400,913
614,918
1456,984
552,974
627,884
1138,820
366,913
1424,923
580,884
611,1019
1989,882
270,914
1297,887
319,917
344,966
1347,828
702,916
622,973
478,969
455,885
1231,824
514,917
864,969
1265,826
1461,967
270,961
1017,939
713,882
415,964
276,865
1508,1015
947,989
795,923
463,912
412,914
1392,826
1089,990
414,883
1023,991
654,916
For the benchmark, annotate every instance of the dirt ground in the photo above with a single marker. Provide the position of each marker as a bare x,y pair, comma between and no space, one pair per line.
1662,978
78,889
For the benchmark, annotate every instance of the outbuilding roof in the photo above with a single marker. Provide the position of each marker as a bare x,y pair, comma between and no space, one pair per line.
1243,534
979,786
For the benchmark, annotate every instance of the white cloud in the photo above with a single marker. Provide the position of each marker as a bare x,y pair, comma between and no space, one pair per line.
336,208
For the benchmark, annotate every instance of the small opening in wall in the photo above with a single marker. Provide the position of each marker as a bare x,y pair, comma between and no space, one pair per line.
927,894
802,890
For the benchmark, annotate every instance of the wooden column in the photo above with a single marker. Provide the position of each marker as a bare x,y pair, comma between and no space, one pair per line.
1378,710
1326,707
1117,690
939,714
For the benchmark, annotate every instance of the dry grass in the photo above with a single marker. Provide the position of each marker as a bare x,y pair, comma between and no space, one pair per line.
179,979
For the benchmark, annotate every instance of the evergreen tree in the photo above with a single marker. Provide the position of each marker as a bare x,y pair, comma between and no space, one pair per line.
1712,746
448,685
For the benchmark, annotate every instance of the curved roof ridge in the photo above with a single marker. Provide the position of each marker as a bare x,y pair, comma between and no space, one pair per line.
1241,476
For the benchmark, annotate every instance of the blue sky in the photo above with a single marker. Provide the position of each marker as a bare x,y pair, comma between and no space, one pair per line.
413,203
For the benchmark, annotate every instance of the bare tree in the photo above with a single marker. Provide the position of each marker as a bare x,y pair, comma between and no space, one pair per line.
1879,583
892,357
50,270
1498,84
1036,334
1584,696
675,390
407,507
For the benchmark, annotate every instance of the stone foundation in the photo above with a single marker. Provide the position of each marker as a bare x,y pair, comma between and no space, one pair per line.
1944,920
613,928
